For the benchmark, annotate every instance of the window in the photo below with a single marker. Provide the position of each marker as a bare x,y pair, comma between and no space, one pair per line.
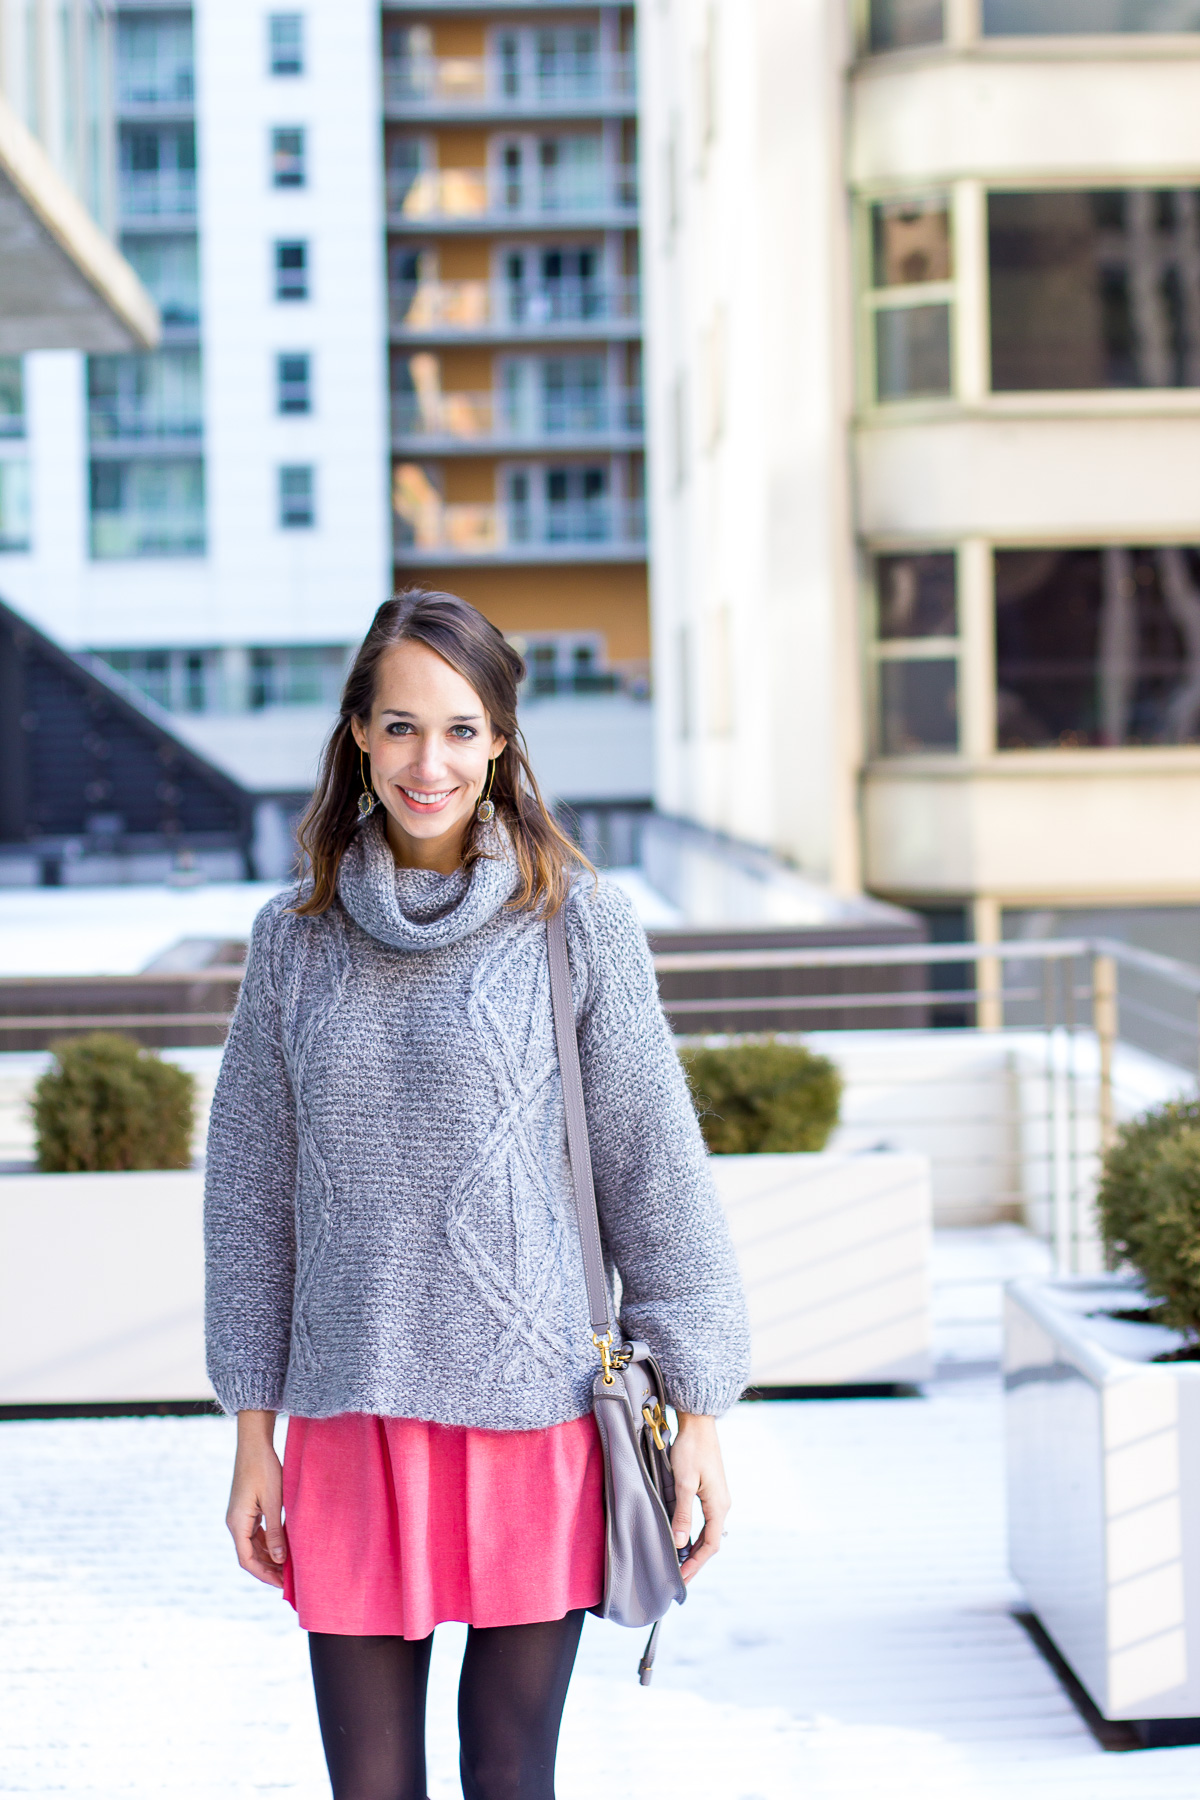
12,397
147,508
407,160
154,60
293,382
1066,18
289,163
148,396
297,497
291,270
911,271
14,505
285,43
916,654
553,396
157,173
1094,290
901,24
169,268
1097,647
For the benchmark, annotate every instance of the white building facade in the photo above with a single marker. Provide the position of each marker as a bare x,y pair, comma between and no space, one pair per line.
923,286
213,517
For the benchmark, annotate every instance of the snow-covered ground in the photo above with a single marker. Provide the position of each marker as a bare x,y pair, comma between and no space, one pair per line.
855,1638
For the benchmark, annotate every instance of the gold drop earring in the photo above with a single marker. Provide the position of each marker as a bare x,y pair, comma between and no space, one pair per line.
366,800
487,808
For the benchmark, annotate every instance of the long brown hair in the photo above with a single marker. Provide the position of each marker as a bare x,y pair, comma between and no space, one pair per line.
473,647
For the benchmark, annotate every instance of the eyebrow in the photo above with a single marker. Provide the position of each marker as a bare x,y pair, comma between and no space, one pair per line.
397,712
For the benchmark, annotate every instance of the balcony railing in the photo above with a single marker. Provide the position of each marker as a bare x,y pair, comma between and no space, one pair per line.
468,194
482,84
506,306
108,419
149,533
534,418
161,84
157,193
491,530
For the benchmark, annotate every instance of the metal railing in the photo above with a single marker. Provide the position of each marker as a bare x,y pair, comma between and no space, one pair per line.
507,306
477,84
487,529
518,418
156,193
148,533
452,195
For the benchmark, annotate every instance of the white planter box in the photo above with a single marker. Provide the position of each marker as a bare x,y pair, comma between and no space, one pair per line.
102,1288
834,1252
1104,1492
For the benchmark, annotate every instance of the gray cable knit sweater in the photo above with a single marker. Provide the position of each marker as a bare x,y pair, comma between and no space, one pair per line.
389,1218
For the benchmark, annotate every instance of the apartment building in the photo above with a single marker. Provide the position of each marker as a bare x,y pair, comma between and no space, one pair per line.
924,326
515,346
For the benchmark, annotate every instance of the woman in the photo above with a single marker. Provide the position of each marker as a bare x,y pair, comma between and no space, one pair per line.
392,1252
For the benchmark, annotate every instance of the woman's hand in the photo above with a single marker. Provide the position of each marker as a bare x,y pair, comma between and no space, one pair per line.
699,1474
255,1515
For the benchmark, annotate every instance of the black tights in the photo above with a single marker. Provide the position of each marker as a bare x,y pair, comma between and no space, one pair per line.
371,1705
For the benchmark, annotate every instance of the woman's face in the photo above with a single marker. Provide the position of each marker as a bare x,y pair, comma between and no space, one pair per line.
429,741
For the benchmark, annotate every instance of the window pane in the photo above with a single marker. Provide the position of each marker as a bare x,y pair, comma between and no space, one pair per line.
916,596
1040,18
1097,647
287,44
169,268
291,271
12,397
896,24
296,497
918,706
287,156
910,242
1095,290
293,382
912,352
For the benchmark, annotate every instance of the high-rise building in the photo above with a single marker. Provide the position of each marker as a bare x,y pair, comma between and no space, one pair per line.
924,331
396,257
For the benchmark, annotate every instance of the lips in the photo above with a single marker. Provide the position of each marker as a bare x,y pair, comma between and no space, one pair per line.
421,801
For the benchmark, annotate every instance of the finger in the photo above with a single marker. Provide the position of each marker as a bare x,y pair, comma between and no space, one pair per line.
251,1547
709,1542
276,1537
264,1567
685,1499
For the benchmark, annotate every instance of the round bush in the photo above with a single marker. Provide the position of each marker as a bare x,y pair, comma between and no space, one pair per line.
1165,1242
108,1104
759,1095
1127,1193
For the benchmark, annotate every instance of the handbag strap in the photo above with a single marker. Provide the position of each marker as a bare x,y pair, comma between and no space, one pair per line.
577,1131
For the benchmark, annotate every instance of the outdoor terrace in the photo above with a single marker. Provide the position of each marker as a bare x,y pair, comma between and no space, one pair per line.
459,200
608,419
487,311
489,89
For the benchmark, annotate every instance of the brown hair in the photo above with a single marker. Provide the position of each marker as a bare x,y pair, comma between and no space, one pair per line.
473,647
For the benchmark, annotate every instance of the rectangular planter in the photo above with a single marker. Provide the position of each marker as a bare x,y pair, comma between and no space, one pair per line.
1104,1492
834,1251
102,1288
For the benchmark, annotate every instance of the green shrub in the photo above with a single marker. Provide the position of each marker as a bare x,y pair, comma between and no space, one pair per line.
108,1104
757,1094
1165,1246
1127,1193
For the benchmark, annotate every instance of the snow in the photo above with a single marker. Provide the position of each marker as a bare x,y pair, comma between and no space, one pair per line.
855,1638
118,930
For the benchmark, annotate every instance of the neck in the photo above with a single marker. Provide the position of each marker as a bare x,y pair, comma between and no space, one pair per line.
442,855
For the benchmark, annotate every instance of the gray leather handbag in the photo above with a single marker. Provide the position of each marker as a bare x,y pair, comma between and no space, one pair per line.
641,1576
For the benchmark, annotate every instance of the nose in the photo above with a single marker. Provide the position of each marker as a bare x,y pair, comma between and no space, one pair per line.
429,764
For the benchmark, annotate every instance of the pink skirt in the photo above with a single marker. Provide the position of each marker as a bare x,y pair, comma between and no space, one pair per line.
395,1525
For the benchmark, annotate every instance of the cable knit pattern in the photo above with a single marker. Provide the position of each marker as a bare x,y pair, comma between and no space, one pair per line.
389,1218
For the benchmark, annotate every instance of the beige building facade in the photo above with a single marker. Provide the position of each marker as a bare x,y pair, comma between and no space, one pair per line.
923,290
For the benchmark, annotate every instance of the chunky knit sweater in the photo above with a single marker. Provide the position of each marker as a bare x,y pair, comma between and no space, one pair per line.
389,1216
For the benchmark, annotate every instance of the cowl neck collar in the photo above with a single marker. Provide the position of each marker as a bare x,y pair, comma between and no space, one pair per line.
418,909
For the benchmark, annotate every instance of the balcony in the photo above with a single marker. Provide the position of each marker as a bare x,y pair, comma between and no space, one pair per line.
603,530
464,198
460,421
149,533
484,86
570,309
157,194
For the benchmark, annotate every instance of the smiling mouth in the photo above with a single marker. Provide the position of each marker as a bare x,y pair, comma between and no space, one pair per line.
424,802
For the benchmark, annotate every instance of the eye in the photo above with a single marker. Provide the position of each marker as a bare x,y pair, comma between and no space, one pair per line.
398,728
463,732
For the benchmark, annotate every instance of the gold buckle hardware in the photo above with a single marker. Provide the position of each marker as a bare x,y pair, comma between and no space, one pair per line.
610,1360
656,1419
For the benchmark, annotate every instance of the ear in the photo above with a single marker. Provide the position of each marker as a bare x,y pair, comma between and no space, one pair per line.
499,745
359,731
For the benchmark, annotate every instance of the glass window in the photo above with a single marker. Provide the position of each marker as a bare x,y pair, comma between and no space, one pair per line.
154,60
169,268
912,352
911,269
157,394
157,173
147,508
293,382
12,397
1064,18
297,497
1095,289
289,162
291,270
916,654
900,24
14,505
1097,647
910,242
285,43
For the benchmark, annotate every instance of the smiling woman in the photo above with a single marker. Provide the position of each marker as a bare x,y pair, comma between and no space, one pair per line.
393,1242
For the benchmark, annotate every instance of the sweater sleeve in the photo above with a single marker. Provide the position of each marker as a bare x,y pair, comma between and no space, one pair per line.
660,1216
249,1195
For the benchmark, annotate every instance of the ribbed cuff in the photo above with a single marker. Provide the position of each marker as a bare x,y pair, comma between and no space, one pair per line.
247,1390
713,1398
